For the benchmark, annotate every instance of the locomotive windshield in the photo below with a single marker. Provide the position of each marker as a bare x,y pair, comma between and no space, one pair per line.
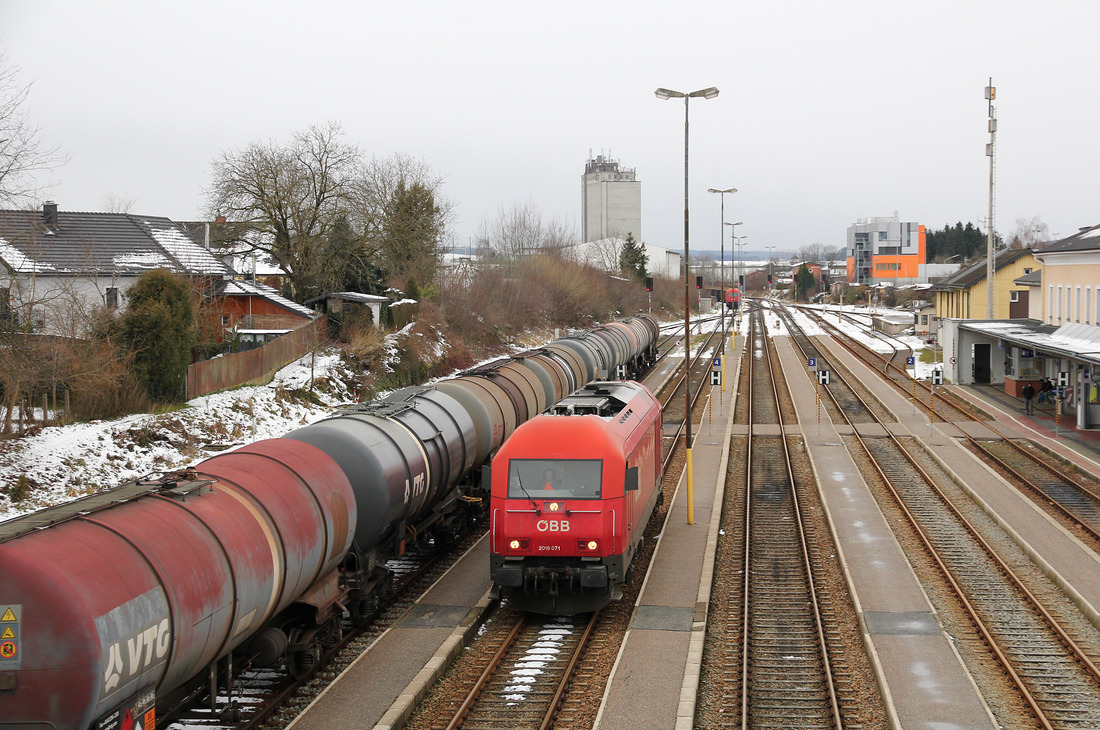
554,478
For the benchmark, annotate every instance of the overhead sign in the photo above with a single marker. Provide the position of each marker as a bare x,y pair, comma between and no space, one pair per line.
1063,379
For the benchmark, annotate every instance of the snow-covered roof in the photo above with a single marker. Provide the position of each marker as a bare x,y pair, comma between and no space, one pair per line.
100,243
1080,341
238,288
351,296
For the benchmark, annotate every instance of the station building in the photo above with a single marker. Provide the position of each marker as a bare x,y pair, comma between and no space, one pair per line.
1058,337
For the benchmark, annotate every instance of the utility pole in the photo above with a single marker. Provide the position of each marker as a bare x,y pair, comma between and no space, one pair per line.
990,94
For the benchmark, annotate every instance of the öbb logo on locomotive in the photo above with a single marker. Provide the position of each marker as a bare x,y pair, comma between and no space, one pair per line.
140,594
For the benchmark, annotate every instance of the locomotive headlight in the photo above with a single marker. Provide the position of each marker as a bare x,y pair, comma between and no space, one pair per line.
592,545
519,543
514,544
553,506
588,545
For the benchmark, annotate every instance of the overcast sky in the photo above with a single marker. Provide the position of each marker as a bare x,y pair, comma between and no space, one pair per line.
828,112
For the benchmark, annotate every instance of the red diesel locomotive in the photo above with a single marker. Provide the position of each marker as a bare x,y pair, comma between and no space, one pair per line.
572,492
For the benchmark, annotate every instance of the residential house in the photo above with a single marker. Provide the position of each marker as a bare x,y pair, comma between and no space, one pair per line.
963,295
249,312
57,266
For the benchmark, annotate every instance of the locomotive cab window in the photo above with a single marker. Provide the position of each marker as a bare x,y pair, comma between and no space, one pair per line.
554,478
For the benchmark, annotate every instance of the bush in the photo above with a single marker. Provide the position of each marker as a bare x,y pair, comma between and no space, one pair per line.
157,327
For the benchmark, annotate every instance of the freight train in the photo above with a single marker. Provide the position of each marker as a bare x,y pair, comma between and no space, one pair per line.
572,492
115,606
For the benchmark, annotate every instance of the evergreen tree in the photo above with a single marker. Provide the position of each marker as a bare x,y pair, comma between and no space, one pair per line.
411,244
632,258
803,283
157,329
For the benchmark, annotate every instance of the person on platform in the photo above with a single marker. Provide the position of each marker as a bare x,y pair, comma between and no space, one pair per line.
1028,393
1046,390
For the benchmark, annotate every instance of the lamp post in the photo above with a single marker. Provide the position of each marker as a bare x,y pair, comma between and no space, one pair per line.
741,251
770,248
722,267
708,93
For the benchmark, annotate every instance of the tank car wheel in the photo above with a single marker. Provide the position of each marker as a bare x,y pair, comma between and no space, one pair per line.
331,634
231,713
301,661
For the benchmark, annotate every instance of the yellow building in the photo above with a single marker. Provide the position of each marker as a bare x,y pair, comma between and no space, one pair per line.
1070,290
963,295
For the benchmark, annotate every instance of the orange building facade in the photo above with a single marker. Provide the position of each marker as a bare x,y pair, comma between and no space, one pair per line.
885,250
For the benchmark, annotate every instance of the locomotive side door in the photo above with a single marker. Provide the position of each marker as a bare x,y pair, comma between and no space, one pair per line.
630,497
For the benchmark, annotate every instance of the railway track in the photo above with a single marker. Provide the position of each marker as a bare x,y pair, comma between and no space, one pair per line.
770,628
1044,647
1073,499
523,678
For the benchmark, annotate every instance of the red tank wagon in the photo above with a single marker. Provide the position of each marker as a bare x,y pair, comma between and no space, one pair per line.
572,492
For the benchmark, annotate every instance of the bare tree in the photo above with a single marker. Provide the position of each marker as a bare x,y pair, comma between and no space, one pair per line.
291,194
1030,233
21,151
403,215
114,203
520,231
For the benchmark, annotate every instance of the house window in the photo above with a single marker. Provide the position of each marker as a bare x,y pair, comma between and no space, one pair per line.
1026,271
924,319
112,297
225,320
1014,296
1077,306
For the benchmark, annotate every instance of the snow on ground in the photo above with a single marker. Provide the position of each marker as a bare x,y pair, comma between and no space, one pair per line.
63,462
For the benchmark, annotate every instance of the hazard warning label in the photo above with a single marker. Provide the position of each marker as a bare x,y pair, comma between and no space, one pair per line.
10,616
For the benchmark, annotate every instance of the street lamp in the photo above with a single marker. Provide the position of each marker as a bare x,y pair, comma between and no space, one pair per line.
740,243
733,251
770,248
722,265
708,93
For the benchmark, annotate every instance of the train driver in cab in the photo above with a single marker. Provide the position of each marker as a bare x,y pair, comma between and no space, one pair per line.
551,479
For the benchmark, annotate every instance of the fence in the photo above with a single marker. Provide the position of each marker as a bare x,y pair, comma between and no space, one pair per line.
255,366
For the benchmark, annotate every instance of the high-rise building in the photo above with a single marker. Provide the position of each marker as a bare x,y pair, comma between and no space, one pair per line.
611,201
884,250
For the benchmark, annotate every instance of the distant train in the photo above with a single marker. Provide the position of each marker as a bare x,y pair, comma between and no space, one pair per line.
572,492
115,606
733,298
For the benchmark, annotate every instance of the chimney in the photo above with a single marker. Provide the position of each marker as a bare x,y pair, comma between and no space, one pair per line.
49,213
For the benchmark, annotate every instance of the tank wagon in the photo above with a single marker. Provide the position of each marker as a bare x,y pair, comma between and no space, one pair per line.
115,606
572,492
